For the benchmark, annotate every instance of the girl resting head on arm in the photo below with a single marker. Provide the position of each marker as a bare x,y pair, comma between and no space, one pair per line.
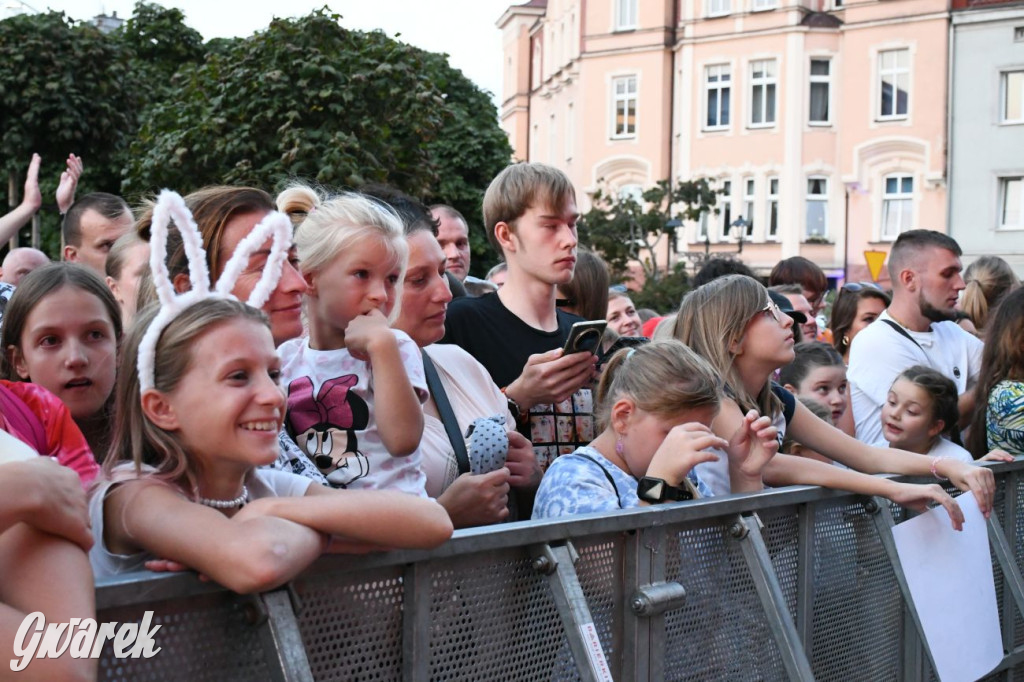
199,407
655,406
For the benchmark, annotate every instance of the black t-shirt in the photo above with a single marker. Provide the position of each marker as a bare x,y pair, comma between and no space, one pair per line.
502,343
497,338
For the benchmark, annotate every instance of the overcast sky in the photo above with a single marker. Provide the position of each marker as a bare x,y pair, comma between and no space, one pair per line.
462,28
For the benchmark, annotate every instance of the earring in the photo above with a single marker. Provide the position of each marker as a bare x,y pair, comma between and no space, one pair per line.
846,340
618,446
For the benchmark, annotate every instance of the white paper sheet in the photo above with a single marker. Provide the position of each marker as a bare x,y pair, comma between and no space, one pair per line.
950,579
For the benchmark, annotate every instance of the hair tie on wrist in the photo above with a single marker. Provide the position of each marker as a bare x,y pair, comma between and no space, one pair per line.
935,464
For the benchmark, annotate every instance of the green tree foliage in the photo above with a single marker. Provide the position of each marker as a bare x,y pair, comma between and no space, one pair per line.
151,106
665,293
623,229
469,153
63,90
309,99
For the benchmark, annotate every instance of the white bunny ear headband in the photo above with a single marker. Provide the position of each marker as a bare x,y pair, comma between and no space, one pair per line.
170,206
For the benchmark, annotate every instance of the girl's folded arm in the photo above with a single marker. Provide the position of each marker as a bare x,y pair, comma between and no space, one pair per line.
379,517
399,414
246,553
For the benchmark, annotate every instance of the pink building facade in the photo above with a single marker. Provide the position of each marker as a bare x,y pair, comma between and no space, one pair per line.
825,126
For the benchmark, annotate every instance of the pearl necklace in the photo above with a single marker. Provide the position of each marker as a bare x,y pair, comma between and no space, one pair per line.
227,504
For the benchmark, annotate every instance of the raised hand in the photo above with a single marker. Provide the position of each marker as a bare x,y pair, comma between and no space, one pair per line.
685,446
68,183
752,446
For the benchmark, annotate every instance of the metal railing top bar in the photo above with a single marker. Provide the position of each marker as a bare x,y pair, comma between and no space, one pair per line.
144,586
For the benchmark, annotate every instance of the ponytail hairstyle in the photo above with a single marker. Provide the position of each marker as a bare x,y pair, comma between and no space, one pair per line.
943,393
809,356
714,316
661,377
334,225
1002,359
989,279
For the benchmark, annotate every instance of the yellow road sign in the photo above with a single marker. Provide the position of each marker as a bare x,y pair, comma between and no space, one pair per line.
875,261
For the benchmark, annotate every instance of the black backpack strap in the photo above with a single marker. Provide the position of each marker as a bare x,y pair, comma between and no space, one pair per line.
604,471
444,408
902,332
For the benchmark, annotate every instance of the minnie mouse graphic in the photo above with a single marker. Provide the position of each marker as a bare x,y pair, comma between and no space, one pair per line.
325,426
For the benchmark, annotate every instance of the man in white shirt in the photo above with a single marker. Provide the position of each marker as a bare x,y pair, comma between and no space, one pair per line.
916,329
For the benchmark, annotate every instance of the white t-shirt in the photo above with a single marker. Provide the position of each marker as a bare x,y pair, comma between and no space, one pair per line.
879,354
260,483
331,416
943,448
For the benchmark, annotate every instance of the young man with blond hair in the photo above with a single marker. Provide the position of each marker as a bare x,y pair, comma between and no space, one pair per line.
517,333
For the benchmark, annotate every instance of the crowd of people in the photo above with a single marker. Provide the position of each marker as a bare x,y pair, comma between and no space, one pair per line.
234,383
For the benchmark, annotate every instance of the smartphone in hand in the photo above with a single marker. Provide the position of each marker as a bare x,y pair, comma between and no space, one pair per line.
585,337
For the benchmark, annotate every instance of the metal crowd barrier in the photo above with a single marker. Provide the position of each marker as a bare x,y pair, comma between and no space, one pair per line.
798,583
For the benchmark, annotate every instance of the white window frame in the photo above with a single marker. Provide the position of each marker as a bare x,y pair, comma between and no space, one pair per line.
772,206
822,198
725,215
1003,196
749,204
723,85
719,8
766,82
893,204
896,73
623,100
703,233
763,5
1005,94
625,15
819,79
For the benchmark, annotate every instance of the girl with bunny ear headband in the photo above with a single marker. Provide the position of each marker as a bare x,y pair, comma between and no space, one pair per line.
182,481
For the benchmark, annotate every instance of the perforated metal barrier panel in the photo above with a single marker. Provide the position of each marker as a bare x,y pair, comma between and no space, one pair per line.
815,595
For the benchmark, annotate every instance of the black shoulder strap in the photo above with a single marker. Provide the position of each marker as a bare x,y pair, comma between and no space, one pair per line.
604,471
444,408
903,332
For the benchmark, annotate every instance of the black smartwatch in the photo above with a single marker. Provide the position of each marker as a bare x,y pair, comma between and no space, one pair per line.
657,490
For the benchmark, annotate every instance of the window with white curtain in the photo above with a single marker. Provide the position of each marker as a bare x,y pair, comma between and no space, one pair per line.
897,205
817,207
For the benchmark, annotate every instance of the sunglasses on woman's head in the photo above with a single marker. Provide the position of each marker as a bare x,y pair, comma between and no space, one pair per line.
860,286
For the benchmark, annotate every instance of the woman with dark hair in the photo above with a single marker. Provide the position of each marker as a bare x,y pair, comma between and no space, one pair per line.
857,305
471,499
225,216
1001,382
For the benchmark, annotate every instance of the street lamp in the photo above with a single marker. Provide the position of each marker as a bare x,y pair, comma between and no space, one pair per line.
742,225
